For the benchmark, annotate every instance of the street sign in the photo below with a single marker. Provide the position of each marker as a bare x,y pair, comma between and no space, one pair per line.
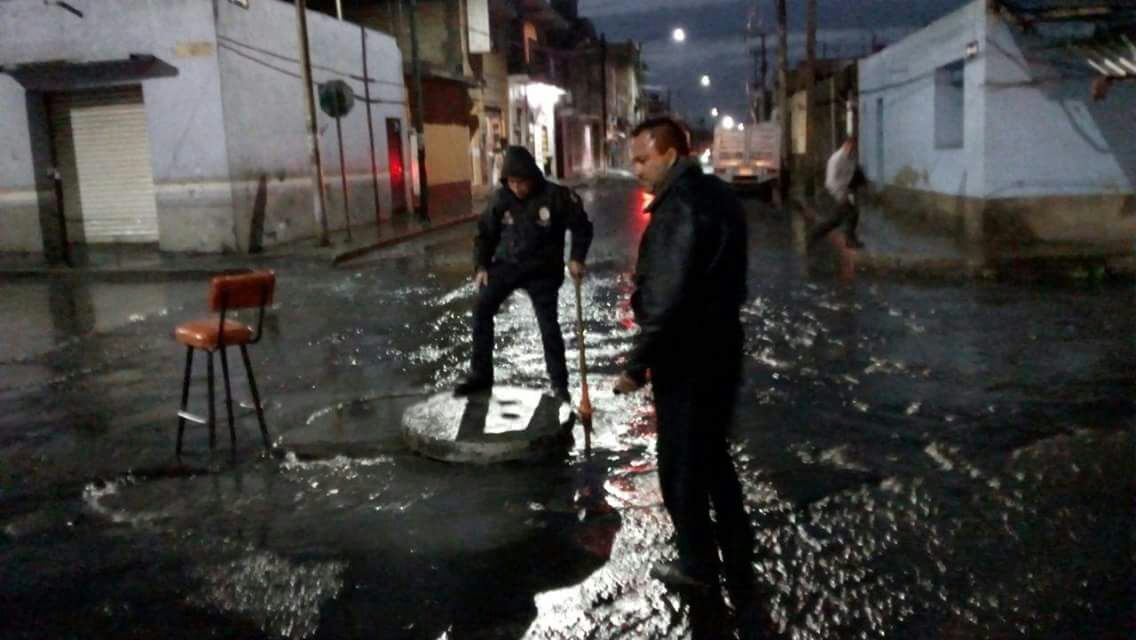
336,98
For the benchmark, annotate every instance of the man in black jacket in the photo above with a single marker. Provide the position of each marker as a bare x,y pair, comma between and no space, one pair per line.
690,282
520,245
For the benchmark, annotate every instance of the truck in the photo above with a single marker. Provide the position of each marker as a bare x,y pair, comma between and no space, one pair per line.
749,158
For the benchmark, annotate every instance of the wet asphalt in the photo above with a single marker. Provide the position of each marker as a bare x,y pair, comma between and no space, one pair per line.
921,460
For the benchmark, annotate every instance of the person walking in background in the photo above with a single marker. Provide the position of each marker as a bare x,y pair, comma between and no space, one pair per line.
842,177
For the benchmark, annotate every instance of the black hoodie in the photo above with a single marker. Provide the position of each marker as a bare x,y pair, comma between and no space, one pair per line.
529,233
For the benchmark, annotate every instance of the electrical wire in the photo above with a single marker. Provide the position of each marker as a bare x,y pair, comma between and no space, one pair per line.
293,74
285,58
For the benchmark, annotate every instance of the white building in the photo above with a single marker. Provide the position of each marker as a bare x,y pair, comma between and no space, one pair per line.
980,126
182,124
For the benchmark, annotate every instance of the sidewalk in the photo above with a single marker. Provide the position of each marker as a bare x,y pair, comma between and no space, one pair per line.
132,262
892,248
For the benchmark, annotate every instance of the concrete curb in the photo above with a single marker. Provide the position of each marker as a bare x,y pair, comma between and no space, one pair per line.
1039,265
916,267
1055,269
358,252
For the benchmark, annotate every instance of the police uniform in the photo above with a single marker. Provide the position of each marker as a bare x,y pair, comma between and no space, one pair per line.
520,243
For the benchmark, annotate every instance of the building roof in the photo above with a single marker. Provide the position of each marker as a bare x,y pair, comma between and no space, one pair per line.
1102,33
1066,10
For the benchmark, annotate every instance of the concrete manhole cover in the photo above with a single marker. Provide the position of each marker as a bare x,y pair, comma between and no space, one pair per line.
510,424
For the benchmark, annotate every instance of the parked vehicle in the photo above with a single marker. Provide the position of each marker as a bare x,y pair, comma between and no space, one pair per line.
747,158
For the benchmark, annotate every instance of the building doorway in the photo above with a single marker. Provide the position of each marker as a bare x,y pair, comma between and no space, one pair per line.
102,154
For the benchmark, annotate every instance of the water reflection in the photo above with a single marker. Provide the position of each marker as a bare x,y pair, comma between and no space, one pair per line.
918,461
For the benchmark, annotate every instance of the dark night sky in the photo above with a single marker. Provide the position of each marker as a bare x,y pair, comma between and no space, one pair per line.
716,45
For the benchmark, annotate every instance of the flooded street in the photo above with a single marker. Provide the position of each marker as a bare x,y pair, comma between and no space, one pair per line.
949,461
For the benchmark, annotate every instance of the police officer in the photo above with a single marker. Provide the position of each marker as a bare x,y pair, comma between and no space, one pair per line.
520,245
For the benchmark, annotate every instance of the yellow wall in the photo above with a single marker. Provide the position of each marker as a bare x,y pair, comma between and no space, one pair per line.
447,154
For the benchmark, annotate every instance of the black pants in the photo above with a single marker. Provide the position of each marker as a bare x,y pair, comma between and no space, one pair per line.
846,214
543,288
694,407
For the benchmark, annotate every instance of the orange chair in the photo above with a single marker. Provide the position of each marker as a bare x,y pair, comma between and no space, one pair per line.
214,334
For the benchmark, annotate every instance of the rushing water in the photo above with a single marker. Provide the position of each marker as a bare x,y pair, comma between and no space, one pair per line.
920,461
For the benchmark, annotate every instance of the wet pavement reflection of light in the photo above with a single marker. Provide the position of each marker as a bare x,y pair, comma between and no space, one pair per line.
919,461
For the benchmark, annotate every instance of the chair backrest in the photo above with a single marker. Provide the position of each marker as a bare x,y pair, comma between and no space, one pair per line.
242,290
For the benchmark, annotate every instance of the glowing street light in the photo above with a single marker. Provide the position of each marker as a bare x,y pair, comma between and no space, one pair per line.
705,81
679,35
727,122
741,126
714,112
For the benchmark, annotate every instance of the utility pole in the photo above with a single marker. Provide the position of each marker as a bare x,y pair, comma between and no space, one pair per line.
811,140
370,130
764,84
313,135
603,95
783,96
423,195
751,81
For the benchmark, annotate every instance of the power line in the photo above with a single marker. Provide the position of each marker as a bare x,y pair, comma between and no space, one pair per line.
293,74
285,58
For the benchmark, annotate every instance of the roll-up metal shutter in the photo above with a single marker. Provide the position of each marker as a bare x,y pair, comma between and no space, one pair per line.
103,153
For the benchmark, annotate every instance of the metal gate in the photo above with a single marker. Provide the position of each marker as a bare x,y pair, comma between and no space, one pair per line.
103,156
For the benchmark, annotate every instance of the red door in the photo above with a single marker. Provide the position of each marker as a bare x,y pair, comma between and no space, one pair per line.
397,165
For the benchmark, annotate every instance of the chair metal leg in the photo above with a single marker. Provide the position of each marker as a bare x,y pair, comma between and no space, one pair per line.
212,409
228,397
184,396
256,399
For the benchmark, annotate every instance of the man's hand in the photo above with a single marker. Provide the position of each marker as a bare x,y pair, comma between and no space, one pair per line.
576,269
626,384
481,278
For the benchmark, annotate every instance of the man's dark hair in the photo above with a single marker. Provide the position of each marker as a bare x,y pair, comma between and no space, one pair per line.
667,132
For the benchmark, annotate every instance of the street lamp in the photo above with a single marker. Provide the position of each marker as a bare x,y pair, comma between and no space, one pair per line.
705,81
679,35
741,126
714,112
727,122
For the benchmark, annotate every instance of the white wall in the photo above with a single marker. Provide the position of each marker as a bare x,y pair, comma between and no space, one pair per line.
183,112
1044,135
902,76
265,115
184,118
1030,128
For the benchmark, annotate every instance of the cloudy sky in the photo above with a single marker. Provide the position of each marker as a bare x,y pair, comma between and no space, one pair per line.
716,42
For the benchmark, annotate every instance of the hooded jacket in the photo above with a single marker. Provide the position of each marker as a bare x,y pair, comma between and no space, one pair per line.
690,279
529,233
